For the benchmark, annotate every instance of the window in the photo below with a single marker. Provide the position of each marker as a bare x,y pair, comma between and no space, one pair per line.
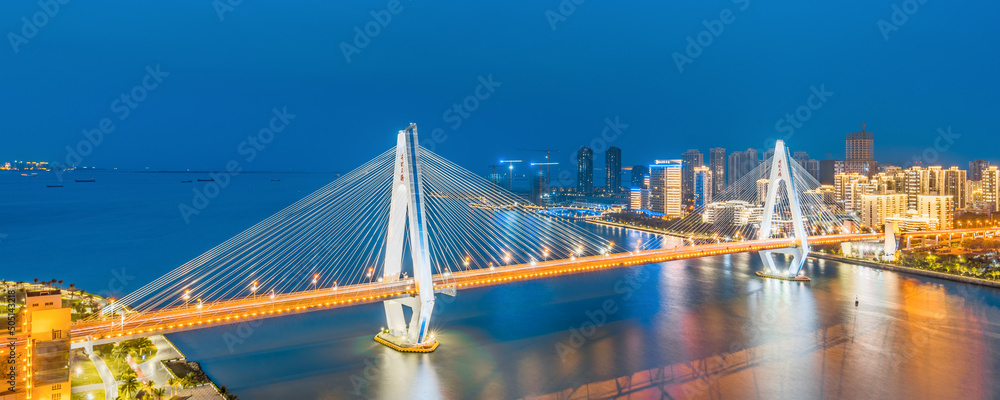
34,304
56,396
56,334
49,303
57,386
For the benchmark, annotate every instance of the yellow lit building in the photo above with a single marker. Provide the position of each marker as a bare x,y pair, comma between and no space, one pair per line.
877,207
940,208
47,324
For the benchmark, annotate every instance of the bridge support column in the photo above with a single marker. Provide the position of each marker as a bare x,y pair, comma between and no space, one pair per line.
891,245
406,211
781,171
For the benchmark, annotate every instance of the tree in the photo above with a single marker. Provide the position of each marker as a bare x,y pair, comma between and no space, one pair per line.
158,394
172,383
191,380
129,387
119,351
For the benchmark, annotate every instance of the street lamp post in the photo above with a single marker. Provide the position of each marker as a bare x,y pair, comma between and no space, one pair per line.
186,297
253,290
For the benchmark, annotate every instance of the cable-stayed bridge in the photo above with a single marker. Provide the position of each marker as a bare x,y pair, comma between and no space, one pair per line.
409,225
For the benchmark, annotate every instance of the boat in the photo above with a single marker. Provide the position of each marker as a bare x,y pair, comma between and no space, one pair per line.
31,175
53,185
185,181
206,180
86,180
275,180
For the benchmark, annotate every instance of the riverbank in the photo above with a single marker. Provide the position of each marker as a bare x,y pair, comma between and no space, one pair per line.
642,229
908,270
196,383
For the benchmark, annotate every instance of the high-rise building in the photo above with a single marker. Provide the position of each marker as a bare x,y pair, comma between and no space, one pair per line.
639,173
762,184
741,163
828,169
665,188
768,154
717,162
639,199
702,187
875,208
848,189
974,198
918,182
955,186
976,168
991,187
860,157
585,171
47,352
940,208
735,168
691,159
811,166
613,170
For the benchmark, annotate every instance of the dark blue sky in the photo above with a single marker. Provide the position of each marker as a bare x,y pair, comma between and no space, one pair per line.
557,87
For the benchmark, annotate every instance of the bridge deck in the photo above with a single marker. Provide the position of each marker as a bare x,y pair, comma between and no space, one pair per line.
178,319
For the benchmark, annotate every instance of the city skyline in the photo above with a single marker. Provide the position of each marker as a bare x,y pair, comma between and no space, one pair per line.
733,199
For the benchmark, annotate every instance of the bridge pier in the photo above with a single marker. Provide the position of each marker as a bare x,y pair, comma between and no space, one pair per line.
781,171
406,211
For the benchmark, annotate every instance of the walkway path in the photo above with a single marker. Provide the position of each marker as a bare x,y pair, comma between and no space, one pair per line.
110,384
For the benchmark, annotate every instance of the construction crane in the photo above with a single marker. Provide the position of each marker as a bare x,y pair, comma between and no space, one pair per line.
510,168
544,183
493,175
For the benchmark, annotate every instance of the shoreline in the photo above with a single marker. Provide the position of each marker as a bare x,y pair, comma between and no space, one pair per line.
909,270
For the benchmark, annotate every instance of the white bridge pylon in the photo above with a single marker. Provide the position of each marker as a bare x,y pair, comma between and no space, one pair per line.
406,210
781,171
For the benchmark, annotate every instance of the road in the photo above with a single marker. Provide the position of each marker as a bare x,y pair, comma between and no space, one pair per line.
190,317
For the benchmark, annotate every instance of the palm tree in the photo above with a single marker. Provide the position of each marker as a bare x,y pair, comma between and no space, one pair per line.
173,382
158,394
119,351
191,380
223,390
72,294
129,387
36,281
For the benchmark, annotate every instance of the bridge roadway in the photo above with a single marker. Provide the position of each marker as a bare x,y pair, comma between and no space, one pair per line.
182,318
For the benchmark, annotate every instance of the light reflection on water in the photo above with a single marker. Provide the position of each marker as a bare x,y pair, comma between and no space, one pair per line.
703,328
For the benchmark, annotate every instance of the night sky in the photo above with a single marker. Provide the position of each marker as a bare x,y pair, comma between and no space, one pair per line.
222,77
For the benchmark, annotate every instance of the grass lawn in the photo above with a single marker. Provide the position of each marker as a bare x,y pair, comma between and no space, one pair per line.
90,395
87,374
117,365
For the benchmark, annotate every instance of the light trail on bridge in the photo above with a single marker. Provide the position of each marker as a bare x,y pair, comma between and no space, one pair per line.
183,318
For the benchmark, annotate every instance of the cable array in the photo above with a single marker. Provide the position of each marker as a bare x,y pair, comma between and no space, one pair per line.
736,213
336,236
